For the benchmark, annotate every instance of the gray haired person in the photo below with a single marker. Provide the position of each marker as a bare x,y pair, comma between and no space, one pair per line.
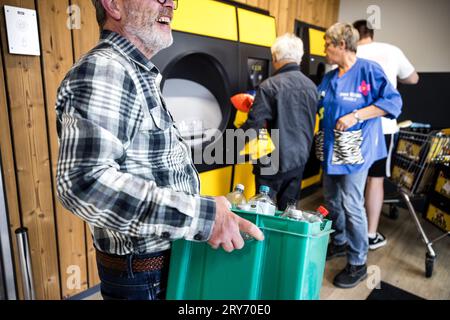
353,98
123,166
287,102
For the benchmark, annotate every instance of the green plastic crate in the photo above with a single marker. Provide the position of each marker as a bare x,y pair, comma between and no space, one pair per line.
287,265
294,258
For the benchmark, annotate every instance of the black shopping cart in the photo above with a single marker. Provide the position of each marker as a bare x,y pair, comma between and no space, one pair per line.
414,163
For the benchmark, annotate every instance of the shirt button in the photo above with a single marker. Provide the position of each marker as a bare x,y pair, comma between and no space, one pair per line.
165,235
198,237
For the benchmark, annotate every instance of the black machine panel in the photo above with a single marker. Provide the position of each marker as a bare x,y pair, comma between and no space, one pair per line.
255,66
222,51
212,64
314,67
221,67
258,71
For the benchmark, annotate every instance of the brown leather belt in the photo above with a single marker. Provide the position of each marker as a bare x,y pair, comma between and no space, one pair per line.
119,263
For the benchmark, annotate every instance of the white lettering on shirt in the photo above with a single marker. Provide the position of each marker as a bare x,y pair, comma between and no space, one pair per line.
350,96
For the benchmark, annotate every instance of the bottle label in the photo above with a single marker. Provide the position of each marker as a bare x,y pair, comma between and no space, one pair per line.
263,208
244,207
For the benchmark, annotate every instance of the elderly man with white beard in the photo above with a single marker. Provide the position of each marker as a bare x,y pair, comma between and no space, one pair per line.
123,166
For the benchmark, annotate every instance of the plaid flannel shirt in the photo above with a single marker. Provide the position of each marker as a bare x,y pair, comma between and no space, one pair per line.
123,166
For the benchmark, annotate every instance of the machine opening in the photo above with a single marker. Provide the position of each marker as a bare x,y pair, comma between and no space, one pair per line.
197,94
194,108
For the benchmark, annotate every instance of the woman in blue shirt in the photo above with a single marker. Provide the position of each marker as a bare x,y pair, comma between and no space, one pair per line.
353,97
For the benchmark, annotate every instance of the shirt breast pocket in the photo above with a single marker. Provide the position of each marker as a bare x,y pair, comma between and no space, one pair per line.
154,142
157,120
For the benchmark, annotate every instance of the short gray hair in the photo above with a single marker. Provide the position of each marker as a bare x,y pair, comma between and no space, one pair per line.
100,12
288,47
343,32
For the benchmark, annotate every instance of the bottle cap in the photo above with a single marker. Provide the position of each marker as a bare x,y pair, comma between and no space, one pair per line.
240,187
323,211
264,189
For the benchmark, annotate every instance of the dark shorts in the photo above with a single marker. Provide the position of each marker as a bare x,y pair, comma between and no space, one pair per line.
379,168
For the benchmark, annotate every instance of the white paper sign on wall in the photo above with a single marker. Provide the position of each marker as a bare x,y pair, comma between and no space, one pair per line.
22,31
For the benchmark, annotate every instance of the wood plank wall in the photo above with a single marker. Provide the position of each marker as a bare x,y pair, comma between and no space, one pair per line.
57,58
83,40
61,247
61,244
322,13
9,173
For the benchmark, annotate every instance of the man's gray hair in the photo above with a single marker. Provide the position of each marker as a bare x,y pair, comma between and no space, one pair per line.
100,12
343,32
288,47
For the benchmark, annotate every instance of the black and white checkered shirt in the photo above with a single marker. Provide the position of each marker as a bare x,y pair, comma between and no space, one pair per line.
123,166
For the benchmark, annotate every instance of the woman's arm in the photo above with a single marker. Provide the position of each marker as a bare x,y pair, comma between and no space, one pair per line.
349,120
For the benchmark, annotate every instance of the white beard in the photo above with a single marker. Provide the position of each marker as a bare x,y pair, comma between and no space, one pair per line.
152,38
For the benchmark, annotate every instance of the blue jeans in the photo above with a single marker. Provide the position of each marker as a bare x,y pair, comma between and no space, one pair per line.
344,197
129,285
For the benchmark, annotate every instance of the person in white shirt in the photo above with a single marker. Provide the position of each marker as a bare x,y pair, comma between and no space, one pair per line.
398,69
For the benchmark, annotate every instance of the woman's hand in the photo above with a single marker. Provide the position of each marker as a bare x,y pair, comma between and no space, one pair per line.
346,122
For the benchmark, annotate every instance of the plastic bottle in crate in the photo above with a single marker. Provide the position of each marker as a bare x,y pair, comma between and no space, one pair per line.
237,197
262,203
291,212
291,205
316,216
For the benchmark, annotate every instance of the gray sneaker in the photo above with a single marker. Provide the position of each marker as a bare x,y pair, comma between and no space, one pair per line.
377,242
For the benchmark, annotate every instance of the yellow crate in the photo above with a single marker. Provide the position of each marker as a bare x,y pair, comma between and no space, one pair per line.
443,185
409,149
403,177
438,217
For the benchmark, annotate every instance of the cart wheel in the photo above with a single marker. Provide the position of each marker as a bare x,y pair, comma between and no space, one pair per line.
393,212
429,264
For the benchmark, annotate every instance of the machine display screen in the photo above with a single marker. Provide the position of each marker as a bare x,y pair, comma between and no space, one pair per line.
258,71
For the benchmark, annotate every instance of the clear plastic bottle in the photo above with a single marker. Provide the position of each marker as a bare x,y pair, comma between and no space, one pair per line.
237,197
291,211
316,216
291,205
262,203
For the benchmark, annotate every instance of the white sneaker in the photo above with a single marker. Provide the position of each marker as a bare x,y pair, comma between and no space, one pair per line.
377,242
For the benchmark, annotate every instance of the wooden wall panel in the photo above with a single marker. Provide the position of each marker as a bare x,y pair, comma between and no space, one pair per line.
85,39
322,13
9,176
57,59
262,4
28,124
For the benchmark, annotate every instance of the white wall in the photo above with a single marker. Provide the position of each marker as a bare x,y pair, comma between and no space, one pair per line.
420,28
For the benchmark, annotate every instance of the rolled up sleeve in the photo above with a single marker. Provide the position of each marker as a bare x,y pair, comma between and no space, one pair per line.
388,98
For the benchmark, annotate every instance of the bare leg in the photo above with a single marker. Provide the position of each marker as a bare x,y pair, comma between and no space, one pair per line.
374,202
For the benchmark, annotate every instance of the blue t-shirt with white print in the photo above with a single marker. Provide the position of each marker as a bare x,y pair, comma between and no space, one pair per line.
363,85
